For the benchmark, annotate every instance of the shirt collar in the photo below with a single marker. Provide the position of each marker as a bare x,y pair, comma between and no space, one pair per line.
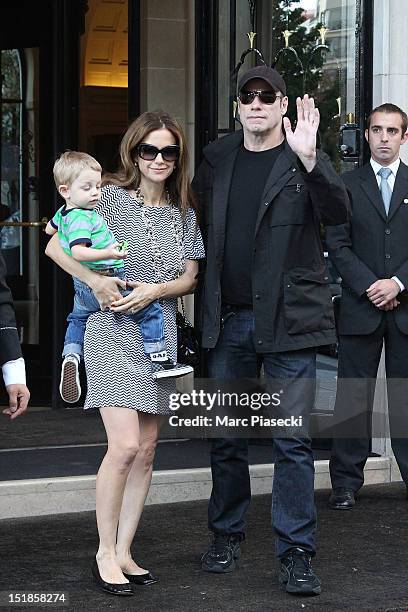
393,167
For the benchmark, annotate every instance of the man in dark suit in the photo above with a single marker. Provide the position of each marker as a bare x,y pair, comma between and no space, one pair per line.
11,360
371,255
264,299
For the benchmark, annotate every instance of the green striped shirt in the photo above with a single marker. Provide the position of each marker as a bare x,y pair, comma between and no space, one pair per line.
86,227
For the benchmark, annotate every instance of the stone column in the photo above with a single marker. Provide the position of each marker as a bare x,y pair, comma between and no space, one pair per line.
390,65
390,84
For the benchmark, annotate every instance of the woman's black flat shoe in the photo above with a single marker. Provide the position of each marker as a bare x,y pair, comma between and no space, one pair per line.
141,579
111,587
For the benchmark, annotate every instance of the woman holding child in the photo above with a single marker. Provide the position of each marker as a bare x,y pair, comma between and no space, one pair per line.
149,204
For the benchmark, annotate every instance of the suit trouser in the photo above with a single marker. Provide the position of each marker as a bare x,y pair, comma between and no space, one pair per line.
293,508
359,357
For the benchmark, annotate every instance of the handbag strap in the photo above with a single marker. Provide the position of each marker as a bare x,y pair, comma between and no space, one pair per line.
182,306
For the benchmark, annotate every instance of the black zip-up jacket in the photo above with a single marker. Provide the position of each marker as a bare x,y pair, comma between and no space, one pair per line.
9,343
290,286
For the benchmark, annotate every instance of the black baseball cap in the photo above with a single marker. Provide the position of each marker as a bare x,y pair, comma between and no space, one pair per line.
266,73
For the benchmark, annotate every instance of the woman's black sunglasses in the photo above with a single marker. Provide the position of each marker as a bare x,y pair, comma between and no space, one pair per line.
267,97
150,152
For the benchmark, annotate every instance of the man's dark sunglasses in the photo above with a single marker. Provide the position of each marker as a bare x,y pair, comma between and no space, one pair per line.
267,97
150,152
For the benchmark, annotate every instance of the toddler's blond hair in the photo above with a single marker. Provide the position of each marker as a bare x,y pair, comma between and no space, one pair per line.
70,164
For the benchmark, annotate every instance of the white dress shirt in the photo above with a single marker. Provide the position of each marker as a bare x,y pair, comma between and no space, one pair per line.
14,372
391,181
393,167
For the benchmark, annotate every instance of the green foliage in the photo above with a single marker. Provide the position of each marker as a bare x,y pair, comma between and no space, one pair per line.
10,90
10,73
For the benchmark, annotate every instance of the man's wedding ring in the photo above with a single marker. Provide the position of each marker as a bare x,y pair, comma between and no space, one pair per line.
132,311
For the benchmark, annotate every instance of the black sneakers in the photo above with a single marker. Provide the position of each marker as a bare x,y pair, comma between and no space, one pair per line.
222,555
296,574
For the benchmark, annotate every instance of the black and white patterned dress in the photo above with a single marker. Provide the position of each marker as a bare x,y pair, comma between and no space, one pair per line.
118,371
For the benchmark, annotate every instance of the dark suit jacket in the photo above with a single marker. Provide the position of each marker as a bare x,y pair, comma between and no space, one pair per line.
290,285
9,343
369,247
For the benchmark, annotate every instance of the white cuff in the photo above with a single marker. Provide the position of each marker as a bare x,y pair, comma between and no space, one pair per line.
397,280
14,372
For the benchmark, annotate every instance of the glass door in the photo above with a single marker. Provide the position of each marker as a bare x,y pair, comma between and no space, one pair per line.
317,45
21,223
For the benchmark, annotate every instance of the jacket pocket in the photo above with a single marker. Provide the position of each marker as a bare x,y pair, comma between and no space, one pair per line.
289,211
291,206
307,301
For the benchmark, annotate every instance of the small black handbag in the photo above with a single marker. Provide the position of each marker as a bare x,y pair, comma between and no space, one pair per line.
188,348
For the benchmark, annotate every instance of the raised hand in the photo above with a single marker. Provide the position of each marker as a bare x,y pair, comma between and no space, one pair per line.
302,140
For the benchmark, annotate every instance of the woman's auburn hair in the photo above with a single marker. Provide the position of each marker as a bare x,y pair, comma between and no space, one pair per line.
128,174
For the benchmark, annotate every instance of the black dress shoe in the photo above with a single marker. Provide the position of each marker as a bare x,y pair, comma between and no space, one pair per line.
342,499
111,587
141,579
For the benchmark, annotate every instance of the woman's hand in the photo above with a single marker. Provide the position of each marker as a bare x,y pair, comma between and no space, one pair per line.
142,295
106,289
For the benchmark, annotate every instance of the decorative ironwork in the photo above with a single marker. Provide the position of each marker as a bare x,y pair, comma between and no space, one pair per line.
252,9
302,62
27,151
291,50
234,76
251,36
323,31
286,35
304,71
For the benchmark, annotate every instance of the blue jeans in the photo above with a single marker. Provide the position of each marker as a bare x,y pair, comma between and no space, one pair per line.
293,507
149,319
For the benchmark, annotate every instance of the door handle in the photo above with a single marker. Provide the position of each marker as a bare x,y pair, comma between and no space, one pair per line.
41,223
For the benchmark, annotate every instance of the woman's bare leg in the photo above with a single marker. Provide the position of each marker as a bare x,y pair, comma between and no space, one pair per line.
137,487
122,430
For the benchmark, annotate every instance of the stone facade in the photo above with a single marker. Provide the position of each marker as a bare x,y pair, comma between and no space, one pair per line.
390,61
